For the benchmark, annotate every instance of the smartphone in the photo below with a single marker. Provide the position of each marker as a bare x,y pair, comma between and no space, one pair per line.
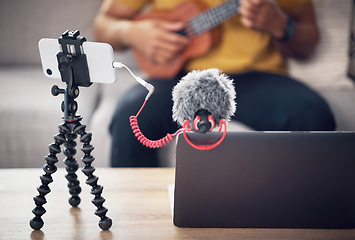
99,57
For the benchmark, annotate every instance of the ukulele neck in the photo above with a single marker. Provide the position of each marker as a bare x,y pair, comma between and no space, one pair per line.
212,18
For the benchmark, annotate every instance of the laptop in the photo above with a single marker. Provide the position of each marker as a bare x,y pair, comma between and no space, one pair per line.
266,180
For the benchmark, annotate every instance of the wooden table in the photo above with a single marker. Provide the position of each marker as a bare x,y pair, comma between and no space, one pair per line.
138,204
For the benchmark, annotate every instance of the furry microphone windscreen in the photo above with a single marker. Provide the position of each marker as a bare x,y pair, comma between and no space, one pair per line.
210,90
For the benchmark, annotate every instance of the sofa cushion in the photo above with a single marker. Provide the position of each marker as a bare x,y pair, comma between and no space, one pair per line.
30,115
327,69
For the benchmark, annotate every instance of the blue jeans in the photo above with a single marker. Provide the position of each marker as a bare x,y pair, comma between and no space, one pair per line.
265,102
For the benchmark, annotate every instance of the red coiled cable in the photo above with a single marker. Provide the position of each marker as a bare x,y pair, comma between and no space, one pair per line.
169,137
145,141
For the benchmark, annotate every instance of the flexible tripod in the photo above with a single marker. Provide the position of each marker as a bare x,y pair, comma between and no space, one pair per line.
74,71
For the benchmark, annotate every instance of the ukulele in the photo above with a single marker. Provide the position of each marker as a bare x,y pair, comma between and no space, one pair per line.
200,27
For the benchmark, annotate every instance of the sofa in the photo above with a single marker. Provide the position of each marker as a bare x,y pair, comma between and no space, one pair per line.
30,115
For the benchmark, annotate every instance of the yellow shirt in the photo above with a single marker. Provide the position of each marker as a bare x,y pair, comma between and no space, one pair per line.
240,49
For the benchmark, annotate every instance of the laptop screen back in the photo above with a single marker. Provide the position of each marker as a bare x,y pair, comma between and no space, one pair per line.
266,180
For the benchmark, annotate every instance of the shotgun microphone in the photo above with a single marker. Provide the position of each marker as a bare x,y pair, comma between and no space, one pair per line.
204,98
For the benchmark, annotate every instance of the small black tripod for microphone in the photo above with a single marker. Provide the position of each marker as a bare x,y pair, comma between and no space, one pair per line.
74,72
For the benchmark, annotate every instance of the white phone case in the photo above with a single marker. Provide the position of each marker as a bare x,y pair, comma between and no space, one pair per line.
99,56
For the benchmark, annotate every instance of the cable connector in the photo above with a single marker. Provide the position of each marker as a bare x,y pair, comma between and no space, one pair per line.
148,86
117,65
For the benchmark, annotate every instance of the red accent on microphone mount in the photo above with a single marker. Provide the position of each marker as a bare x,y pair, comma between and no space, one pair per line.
222,122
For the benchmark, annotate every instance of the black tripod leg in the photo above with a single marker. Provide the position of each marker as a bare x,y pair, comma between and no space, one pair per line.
105,222
37,223
71,164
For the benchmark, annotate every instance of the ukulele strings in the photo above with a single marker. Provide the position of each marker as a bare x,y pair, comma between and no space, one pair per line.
210,18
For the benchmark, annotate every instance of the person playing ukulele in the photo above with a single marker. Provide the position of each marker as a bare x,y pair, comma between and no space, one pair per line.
249,40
